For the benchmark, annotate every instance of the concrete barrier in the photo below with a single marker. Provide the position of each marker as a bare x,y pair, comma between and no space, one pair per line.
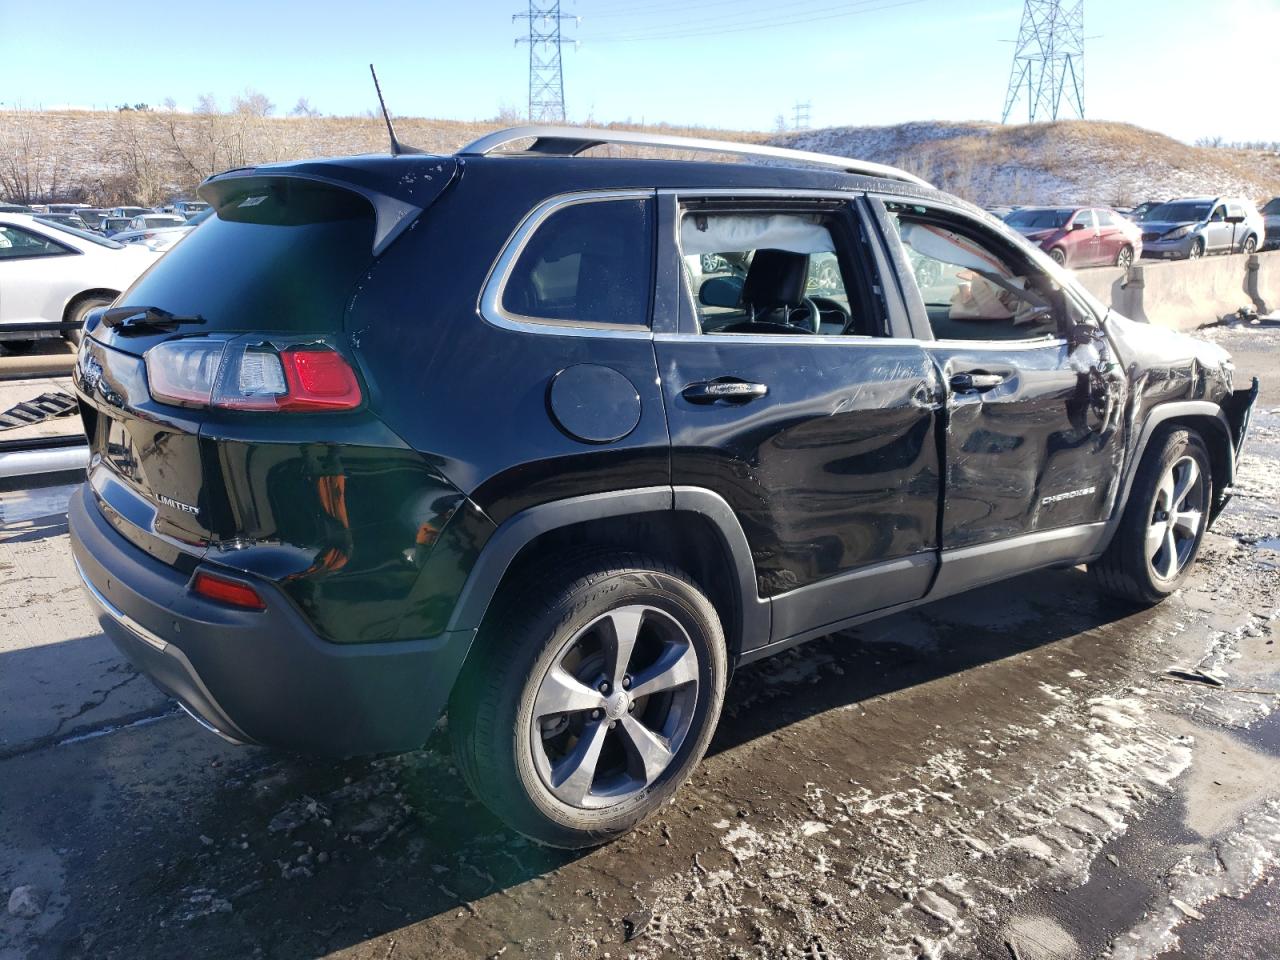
1264,281
1186,294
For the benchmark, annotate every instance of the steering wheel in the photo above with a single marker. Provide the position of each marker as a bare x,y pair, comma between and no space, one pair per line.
815,315
834,306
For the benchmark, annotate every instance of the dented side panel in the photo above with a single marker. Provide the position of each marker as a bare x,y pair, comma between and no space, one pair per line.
835,469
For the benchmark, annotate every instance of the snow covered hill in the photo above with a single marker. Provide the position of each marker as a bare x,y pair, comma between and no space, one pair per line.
1065,162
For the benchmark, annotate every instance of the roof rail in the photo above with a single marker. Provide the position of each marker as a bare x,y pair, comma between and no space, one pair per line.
571,141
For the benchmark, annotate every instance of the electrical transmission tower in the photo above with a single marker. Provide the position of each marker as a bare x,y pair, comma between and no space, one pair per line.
1049,60
801,116
546,78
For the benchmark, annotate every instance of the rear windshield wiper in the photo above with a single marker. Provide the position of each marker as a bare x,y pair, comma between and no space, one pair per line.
124,319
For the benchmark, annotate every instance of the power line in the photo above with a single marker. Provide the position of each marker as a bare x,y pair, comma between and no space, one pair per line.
1048,60
546,74
745,26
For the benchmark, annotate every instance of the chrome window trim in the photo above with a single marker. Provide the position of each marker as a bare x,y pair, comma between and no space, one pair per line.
778,339
122,618
490,306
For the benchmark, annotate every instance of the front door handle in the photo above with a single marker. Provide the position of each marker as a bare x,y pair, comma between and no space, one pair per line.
975,382
728,389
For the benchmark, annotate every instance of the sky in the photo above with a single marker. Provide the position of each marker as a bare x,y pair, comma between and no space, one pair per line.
1188,68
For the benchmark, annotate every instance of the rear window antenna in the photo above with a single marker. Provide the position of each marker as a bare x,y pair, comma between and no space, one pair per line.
397,147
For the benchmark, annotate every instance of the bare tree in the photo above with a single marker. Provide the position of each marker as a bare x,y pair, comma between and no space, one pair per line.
252,103
303,108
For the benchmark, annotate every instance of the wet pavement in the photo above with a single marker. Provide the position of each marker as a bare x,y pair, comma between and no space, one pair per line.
1009,773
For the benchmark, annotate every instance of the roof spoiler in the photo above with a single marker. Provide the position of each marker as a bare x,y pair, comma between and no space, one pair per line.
392,213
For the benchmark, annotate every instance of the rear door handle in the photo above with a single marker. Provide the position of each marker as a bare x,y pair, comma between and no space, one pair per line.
728,389
975,382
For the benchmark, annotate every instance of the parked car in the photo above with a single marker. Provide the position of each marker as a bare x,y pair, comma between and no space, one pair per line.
152,221
64,219
14,208
496,451
1271,224
162,238
1001,211
110,226
1193,227
92,216
52,275
129,212
65,207
1139,213
1080,236
186,208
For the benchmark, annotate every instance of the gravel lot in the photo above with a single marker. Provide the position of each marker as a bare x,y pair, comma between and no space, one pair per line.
1010,773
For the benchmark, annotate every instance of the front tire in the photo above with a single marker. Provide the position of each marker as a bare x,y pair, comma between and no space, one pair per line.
589,698
1197,249
1059,256
1164,521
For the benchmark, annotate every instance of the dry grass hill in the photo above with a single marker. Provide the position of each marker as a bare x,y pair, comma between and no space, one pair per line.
151,157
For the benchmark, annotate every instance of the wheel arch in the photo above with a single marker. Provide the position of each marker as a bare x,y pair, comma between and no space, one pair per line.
1210,422
84,295
693,528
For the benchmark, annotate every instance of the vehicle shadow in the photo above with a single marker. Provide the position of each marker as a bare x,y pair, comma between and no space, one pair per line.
214,851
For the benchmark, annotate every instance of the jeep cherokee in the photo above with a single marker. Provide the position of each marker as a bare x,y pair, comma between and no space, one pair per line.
556,441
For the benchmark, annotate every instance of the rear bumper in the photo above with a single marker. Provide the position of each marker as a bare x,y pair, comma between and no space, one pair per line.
260,677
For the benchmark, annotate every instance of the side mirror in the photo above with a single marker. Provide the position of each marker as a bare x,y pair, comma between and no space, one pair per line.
721,292
1079,225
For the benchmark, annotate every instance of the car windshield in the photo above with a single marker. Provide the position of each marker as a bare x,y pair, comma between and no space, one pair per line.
1178,212
82,234
1272,208
1038,218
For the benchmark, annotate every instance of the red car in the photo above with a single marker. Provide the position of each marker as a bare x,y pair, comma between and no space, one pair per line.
1080,236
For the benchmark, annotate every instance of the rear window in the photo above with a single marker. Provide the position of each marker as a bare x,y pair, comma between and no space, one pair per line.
282,256
1038,218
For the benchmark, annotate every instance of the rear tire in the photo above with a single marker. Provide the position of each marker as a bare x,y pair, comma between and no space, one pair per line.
1125,257
586,774
1250,245
1164,521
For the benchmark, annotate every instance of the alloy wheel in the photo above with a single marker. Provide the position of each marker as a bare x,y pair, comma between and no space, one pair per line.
1125,257
614,707
1197,250
1176,518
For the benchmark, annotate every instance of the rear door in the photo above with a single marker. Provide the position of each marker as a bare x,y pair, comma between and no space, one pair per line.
1110,238
1217,235
818,430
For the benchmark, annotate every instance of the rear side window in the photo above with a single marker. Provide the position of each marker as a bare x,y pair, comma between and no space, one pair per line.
587,263
284,256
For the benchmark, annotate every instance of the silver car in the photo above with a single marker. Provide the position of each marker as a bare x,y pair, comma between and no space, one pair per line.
1195,226
1271,217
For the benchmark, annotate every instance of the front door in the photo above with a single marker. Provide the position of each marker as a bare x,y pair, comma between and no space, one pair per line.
1032,442
794,391
1217,235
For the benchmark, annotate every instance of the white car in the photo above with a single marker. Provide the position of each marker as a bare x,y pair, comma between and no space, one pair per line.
52,276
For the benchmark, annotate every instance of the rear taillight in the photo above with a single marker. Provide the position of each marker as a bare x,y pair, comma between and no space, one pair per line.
225,590
234,375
